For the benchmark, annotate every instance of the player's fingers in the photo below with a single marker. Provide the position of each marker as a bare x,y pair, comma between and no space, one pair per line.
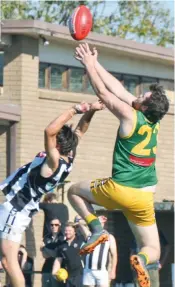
84,46
76,54
95,53
80,52
87,48
82,49
78,58
77,50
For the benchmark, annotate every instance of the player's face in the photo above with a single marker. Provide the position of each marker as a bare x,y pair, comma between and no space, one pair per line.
69,232
55,225
137,104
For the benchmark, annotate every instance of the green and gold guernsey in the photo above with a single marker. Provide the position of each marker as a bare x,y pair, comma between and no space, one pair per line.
134,156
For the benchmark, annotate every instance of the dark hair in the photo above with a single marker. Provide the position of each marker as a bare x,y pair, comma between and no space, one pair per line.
157,105
22,246
49,197
55,218
67,140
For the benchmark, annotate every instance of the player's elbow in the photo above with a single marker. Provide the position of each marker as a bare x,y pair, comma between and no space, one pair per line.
47,131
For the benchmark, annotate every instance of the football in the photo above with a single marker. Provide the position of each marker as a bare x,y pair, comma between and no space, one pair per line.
80,23
62,274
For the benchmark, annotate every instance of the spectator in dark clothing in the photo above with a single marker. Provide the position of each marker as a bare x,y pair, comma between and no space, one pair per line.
53,209
26,264
50,244
69,258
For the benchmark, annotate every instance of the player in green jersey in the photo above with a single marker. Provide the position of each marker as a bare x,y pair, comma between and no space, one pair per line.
133,180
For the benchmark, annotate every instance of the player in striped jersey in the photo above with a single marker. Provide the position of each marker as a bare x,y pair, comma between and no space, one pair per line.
100,265
25,187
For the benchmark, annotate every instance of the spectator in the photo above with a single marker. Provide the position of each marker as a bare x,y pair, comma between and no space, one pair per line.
26,264
69,258
154,268
50,244
98,270
53,209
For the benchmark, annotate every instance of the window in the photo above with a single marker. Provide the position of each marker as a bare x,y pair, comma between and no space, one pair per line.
167,84
1,68
146,82
76,80
131,83
57,77
42,75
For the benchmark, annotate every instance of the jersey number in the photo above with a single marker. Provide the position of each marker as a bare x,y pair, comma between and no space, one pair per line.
140,149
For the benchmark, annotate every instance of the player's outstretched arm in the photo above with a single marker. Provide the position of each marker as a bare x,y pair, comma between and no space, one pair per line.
119,108
53,129
114,85
85,120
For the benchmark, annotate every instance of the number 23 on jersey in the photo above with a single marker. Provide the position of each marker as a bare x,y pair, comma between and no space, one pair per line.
140,148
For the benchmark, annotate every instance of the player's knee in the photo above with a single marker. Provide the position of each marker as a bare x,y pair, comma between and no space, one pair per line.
157,251
72,191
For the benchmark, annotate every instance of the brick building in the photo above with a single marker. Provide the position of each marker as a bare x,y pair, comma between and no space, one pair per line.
40,81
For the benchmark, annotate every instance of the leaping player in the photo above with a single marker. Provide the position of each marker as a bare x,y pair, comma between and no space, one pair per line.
133,181
25,187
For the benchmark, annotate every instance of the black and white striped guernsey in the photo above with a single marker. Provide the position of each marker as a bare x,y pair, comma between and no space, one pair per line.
99,258
25,187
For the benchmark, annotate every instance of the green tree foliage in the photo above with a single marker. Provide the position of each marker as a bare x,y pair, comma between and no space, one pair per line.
14,9
143,21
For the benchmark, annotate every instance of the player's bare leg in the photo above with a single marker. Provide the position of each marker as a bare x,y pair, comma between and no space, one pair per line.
9,252
81,198
148,242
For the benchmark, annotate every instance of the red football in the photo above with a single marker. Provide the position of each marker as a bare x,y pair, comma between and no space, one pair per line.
80,23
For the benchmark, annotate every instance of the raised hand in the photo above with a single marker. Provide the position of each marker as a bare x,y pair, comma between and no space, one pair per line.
85,55
97,106
82,108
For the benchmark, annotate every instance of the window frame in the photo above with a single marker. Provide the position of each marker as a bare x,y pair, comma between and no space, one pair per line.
66,79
